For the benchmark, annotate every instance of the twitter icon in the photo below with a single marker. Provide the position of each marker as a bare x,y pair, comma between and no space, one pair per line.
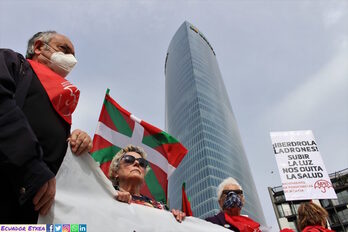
58,228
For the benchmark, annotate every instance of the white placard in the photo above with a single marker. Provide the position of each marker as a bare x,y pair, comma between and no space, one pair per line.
85,196
301,167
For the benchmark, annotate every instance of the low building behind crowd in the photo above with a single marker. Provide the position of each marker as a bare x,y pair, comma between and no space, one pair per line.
286,211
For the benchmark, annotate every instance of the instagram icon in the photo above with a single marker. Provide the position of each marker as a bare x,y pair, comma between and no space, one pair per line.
66,227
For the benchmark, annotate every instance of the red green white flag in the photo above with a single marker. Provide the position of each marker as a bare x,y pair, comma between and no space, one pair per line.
118,128
185,202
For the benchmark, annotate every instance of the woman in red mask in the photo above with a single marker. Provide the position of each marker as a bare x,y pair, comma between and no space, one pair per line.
231,201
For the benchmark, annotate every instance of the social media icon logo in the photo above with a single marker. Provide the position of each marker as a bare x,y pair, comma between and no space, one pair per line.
82,228
74,228
58,228
66,227
49,227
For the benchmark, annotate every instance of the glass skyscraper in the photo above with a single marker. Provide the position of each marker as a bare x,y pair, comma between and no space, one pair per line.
199,114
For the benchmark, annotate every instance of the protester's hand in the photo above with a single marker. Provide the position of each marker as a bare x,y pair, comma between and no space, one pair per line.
80,142
179,215
44,198
124,196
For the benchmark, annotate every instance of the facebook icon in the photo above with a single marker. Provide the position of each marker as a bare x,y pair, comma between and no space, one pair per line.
49,228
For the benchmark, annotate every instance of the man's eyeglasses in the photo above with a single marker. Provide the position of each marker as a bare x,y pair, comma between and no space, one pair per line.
129,159
238,191
61,48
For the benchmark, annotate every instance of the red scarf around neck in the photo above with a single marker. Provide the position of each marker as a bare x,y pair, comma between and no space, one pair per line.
316,229
242,223
63,95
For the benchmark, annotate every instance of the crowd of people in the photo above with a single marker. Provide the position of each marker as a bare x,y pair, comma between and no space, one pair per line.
127,172
36,104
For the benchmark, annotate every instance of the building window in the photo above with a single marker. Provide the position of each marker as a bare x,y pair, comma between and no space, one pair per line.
343,215
325,203
279,198
280,211
295,208
335,202
287,209
342,197
333,219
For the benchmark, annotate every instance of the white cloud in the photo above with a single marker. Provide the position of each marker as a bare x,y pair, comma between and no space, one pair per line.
335,14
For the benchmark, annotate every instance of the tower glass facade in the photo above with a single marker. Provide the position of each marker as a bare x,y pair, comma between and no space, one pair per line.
199,114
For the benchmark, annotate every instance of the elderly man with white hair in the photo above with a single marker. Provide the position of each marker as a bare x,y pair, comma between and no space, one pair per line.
36,107
231,201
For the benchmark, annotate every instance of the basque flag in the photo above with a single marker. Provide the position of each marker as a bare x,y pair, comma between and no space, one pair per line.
118,128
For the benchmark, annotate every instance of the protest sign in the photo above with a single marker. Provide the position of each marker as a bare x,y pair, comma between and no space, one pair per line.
301,167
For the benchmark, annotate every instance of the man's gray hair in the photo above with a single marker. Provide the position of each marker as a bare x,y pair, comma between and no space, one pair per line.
227,181
45,36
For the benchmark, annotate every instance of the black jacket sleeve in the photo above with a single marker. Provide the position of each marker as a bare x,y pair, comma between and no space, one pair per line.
20,152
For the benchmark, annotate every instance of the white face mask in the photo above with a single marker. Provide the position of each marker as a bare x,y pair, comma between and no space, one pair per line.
61,63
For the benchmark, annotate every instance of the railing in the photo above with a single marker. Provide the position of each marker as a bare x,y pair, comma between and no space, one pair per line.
338,173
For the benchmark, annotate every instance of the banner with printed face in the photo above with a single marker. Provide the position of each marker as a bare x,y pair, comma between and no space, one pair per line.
84,196
301,167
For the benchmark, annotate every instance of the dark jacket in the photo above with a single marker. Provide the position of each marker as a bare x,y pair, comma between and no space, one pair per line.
235,223
25,113
219,219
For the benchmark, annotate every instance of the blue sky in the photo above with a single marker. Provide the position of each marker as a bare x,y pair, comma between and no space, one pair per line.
284,64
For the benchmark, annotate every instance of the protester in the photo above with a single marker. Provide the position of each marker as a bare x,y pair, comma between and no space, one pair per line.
127,172
312,218
231,201
36,104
